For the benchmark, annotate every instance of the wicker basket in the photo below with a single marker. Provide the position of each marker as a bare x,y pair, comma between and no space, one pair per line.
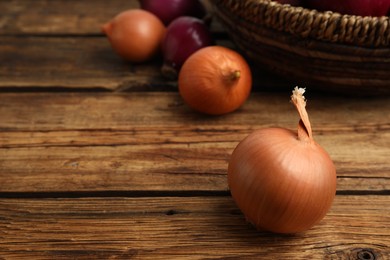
323,50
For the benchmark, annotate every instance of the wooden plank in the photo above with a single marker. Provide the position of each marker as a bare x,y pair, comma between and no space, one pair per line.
59,17
88,142
183,228
88,63
63,17
73,63
167,160
121,111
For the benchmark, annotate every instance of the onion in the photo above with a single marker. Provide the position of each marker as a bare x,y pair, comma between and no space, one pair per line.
169,10
215,80
352,7
184,36
281,180
135,34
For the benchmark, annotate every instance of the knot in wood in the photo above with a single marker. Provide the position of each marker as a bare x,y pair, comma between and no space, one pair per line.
365,254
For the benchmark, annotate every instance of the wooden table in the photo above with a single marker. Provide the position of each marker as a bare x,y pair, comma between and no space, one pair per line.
101,159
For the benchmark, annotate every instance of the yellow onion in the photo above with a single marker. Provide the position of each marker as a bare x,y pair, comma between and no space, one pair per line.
135,34
215,80
283,181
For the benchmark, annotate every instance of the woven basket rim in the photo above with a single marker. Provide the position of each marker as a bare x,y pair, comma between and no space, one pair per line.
325,26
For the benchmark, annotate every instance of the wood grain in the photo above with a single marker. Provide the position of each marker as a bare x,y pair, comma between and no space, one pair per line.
67,34
101,159
94,110
90,63
65,17
183,228
88,142
60,17
79,63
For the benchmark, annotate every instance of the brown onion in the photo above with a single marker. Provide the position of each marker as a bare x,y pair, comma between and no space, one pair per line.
135,34
215,80
283,181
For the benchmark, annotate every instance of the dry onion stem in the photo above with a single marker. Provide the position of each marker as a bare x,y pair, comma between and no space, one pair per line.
304,127
282,180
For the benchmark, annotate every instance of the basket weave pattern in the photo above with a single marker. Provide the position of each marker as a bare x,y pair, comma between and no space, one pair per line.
323,49
326,26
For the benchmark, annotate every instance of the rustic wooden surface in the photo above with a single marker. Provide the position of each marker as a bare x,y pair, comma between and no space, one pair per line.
101,159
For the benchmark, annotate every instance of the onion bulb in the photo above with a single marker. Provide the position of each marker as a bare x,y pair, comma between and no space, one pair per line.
283,181
184,36
215,80
135,34
169,10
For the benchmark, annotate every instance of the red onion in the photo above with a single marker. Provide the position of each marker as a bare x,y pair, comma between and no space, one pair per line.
184,36
168,10
352,7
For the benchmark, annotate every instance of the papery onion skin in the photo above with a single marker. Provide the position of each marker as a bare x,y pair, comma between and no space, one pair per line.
283,181
135,34
281,184
215,80
184,36
169,10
